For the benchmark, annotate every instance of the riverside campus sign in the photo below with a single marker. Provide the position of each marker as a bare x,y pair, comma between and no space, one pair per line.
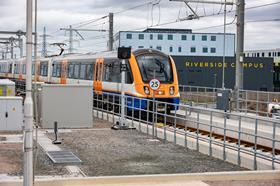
248,65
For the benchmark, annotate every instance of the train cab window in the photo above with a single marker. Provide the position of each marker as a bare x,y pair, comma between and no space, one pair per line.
83,71
89,72
76,71
151,65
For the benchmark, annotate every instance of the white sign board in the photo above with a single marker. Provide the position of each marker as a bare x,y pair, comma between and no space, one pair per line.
154,84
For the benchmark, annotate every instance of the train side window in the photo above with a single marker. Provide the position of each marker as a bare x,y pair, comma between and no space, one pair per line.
89,72
24,69
53,71
33,69
58,70
41,69
10,68
76,71
107,72
45,70
116,75
70,71
83,71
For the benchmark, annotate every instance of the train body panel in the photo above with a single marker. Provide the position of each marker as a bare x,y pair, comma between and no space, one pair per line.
102,72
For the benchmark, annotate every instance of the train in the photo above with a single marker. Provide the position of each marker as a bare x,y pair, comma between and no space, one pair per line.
103,71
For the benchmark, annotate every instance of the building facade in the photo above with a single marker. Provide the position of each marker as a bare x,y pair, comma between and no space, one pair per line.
263,53
178,42
270,53
207,72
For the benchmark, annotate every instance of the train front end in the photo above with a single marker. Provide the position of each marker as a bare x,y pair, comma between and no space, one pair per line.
152,64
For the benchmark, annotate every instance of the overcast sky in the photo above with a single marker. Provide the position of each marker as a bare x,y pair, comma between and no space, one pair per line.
56,14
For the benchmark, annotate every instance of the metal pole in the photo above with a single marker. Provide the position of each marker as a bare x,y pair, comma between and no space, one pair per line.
28,104
44,44
122,123
35,91
70,39
12,48
20,46
35,80
111,31
240,5
224,46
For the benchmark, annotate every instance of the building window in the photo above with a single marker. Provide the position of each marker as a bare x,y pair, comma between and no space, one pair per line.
179,49
151,46
140,46
183,37
205,50
171,49
213,38
141,36
278,54
170,37
193,49
269,54
262,54
212,50
160,37
193,37
204,38
128,36
258,54
158,47
151,36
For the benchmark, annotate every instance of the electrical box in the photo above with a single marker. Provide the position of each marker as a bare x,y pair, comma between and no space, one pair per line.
11,114
223,99
68,105
7,87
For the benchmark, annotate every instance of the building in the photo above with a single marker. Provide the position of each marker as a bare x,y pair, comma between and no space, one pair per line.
263,53
271,53
177,42
206,71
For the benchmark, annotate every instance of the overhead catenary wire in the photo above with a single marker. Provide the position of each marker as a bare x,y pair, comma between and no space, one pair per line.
178,19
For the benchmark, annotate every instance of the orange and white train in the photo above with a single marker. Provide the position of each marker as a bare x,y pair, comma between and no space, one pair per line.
102,71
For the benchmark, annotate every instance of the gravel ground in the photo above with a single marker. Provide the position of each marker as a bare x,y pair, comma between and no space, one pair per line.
11,162
109,152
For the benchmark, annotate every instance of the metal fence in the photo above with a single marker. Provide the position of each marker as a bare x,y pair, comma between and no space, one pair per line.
255,102
252,142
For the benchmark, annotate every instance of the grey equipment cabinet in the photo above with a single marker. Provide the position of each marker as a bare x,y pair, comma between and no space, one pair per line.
11,115
223,99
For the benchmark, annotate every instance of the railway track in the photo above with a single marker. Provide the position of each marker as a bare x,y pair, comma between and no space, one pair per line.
170,122
160,122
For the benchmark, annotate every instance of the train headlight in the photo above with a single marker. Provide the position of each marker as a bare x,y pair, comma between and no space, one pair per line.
146,90
171,90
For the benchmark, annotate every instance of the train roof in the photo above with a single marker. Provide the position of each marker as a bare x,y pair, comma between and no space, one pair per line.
106,54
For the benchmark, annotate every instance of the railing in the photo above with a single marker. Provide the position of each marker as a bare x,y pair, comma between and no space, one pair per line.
255,102
253,142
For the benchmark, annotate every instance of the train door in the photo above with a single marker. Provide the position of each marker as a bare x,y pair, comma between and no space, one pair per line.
64,66
98,73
